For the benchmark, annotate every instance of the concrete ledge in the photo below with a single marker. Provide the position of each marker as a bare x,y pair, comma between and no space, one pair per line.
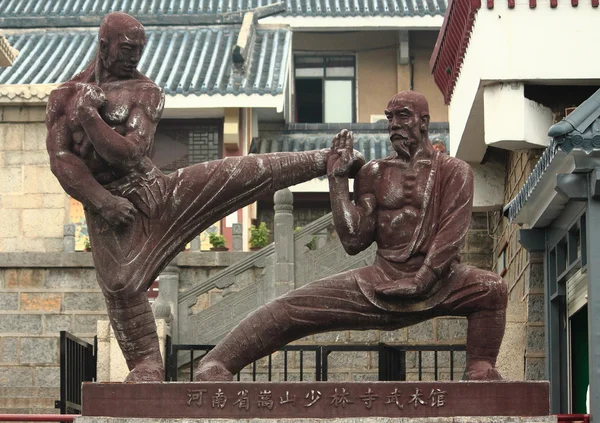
492,419
46,260
80,259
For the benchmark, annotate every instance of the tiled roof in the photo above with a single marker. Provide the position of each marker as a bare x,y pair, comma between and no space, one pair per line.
512,209
580,131
372,140
181,61
30,13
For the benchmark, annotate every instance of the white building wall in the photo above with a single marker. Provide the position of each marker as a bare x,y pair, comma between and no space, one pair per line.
538,46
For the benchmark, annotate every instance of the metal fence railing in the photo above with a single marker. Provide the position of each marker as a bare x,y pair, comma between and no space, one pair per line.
314,359
77,365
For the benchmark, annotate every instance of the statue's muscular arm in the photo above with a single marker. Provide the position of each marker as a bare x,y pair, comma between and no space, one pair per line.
71,171
123,152
354,222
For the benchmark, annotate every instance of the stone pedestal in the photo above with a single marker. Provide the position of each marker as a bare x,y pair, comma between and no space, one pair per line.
492,419
347,401
111,366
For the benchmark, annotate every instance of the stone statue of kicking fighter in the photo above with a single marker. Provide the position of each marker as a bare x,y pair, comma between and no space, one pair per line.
416,205
101,127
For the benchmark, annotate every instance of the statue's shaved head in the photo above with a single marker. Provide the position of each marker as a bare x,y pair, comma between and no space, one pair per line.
414,98
116,23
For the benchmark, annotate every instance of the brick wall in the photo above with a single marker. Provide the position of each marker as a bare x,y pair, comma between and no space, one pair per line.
525,272
35,305
32,202
42,294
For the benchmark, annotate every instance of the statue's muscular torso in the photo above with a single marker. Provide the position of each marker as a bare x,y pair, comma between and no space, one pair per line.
399,190
121,97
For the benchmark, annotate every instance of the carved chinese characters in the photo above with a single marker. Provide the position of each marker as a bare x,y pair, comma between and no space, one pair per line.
276,397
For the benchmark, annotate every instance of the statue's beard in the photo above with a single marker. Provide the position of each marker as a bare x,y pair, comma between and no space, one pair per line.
402,144
403,150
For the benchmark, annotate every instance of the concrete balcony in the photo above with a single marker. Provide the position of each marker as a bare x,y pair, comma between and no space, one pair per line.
512,121
508,48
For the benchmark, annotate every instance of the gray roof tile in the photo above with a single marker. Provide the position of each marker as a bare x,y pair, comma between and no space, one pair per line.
181,61
88,12
372,142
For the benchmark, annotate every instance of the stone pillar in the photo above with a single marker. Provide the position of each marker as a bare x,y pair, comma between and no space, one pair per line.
283,272
111,365
165,305
321,239
237,241
195,244
69,238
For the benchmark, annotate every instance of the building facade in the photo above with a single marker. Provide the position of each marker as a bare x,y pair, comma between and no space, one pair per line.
508,78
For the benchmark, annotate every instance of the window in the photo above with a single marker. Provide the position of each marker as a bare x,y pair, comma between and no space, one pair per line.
325,89
181,143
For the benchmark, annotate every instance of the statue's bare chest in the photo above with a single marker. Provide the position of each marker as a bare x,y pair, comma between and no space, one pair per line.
118,105
400,187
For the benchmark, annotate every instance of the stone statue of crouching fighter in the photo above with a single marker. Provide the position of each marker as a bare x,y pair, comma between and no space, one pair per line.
101,127
416,205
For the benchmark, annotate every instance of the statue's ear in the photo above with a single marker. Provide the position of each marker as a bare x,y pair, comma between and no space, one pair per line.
103,48
424,122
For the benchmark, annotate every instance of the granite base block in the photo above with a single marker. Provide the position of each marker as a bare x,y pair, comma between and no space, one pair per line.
348,401
490,419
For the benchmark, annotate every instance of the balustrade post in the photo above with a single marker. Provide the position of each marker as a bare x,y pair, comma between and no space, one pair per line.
283,274
69,238
237,242
165,305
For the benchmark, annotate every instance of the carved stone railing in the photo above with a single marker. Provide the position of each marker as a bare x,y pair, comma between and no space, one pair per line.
279,267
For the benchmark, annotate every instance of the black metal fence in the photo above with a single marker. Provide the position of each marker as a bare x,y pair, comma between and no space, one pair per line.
77,365
392,360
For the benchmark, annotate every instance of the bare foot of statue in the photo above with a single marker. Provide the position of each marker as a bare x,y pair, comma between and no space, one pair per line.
213,371
482,370
150,369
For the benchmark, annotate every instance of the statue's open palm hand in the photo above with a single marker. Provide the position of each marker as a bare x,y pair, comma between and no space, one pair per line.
344,160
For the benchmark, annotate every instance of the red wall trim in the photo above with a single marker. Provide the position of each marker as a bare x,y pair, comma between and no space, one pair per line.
452,43
454,37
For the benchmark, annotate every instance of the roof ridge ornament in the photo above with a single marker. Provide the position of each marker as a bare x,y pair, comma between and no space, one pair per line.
7,53
242,50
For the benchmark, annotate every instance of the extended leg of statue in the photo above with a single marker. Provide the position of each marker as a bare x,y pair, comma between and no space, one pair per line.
261,333
335,303
135,330
484,336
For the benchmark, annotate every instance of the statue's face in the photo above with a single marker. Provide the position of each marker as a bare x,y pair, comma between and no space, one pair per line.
122,52
407,125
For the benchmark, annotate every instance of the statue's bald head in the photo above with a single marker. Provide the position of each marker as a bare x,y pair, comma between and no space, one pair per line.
122,39
117,23
410,98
